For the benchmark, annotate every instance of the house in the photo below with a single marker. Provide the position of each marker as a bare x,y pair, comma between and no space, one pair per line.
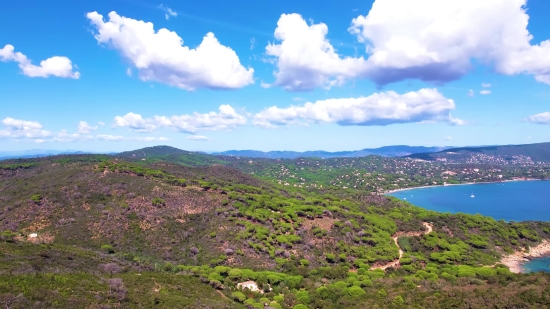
251,285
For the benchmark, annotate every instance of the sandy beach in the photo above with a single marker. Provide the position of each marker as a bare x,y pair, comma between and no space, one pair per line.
517,259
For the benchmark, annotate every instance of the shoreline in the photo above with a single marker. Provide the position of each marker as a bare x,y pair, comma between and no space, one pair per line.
516,260
460,184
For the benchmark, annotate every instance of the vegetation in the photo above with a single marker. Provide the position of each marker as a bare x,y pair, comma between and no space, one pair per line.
140,234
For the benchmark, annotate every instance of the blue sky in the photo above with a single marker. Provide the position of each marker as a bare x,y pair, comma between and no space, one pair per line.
277,75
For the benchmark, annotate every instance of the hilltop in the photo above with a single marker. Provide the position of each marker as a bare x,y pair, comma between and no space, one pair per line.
199,228
501,155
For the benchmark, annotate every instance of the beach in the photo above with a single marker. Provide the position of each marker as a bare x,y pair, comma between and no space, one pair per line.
516,260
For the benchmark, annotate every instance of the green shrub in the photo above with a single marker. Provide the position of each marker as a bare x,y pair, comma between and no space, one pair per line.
36,198
356,291
108,248
238,296
157,201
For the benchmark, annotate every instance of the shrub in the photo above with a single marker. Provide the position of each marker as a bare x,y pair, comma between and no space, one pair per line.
356,291
398,301
238,296
36,198
157,201
108,248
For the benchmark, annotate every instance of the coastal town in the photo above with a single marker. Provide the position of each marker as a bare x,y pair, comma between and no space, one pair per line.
382,174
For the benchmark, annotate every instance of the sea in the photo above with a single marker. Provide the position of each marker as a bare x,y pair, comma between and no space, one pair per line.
509,201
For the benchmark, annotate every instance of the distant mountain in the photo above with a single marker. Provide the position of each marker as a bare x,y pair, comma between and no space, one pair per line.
507,154
37,153
386,151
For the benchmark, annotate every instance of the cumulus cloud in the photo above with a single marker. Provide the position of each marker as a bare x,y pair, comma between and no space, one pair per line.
485,85
85,128
168,12
542,118
306,59
23,129
226,119
201,138
448,138
485,92
55,66
471,93
435,40
160,55
379,109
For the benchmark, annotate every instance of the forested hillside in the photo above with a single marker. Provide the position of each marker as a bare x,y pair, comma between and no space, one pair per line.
183,229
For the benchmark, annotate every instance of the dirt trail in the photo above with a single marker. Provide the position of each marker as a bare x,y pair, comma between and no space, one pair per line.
395,237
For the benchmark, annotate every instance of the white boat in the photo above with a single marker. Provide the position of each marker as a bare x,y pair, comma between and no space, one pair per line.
472,195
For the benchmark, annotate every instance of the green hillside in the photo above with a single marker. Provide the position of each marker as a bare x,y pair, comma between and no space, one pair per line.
176,235
509,154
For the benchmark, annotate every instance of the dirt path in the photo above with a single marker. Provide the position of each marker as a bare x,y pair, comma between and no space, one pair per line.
223,295
395,237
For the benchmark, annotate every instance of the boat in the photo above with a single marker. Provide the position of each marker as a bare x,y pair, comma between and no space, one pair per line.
472,195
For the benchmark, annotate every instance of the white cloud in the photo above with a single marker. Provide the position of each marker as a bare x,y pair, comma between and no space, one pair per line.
64,136
114,138
226,119
485,85
149,139
168,12
198,138
485,92
435,40
448,138
305,57
23,129
252,43
385,108
471,93
55,66
129,72
159,55
134,122
542,118
101,123
85,128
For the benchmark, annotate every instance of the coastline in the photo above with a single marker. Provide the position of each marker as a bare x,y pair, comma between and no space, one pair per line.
460,184
516,260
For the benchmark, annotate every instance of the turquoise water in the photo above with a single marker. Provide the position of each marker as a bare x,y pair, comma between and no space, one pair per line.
511,201
536,265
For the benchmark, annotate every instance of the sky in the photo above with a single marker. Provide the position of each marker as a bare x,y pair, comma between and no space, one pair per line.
214,75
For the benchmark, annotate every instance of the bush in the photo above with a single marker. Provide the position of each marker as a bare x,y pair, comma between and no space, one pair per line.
238,296
108,248
36,198
157,201
398,301
356,291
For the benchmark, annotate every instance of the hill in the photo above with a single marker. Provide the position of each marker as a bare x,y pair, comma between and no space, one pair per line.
509,154
387,151
170,154
171,233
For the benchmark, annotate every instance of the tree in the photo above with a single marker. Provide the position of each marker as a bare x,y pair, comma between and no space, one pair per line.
398,301
238,296
110,268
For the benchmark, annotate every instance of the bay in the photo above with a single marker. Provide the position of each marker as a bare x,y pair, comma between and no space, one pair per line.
510,201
